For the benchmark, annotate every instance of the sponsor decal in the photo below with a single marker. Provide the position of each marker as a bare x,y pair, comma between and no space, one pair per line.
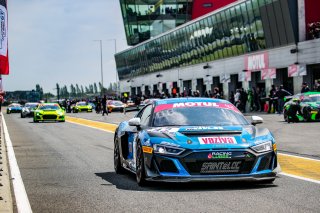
217,140
147,149
219,155
195,104
204,128
220,167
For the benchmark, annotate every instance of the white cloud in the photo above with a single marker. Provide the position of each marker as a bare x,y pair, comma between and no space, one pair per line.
51,41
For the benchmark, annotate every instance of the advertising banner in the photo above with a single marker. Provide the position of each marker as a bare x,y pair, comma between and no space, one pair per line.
268,73
297,70
293,70
4,62
225,78
257,62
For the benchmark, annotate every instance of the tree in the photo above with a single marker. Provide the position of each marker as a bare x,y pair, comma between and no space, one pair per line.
95,88
78,90
87,90
72,91
39,90
58,91
82,91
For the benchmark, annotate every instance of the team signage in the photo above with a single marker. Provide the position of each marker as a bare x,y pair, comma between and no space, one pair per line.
257,62
268,73
4,62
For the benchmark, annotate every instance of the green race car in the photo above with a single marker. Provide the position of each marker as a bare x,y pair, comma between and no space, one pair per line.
49,112
82,107
309,106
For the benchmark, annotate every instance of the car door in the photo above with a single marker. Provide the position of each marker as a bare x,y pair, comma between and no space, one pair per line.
134,132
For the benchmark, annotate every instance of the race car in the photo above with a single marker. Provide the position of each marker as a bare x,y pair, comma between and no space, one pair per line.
194,139
82,107
28,109
309,105
49,112
115,106
147,101
14,108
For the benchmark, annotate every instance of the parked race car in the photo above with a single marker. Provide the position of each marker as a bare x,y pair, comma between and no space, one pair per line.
28,109
49,112
115,106
194,139
14,108
309,106
82,107
147,101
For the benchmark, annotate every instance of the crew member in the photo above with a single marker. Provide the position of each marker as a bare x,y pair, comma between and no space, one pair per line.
294,111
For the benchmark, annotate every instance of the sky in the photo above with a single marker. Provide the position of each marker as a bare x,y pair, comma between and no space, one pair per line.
52,41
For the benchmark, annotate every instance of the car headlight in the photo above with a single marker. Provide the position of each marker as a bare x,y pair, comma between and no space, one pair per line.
167,150
38,113
263,147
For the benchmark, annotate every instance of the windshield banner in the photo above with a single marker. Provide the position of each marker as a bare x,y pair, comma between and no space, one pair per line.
4,62
196,104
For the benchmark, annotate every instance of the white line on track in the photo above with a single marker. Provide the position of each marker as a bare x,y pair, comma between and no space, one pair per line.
299,177
90,127
20,193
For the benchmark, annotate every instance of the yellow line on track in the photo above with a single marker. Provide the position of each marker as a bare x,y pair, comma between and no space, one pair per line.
303,167
94,124
290,164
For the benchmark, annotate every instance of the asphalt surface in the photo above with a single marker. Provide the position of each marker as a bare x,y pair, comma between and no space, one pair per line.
69,168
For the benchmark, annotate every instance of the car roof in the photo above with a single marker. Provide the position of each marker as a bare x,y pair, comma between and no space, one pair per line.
184,100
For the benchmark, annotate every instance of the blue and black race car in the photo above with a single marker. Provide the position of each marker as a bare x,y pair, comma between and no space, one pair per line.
194,139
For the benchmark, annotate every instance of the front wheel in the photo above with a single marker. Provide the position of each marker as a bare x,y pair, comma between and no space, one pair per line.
35,121
116,157
140,172
306,115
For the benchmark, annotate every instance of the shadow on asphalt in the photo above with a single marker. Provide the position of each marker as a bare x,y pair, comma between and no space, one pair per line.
128,182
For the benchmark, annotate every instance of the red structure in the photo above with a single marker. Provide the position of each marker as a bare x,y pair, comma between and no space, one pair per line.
202,7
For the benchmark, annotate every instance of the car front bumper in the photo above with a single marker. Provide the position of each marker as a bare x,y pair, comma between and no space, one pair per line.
49,117
188,167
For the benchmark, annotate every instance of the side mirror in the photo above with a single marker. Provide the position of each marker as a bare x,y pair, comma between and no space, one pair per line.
64,109
256,120
134,122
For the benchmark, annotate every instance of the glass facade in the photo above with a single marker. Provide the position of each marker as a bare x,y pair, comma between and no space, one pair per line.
233,31
144,19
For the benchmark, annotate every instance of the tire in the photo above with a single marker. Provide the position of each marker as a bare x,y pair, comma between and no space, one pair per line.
285,115
8,112
140,170
116,157
35,121
22,116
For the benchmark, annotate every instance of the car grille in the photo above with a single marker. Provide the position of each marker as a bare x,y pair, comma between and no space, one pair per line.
49,117
197,164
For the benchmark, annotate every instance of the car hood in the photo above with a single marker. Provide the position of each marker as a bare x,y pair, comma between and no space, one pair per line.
49,111
208,137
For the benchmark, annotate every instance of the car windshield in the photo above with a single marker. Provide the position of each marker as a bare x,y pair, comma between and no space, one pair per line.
117,103
82,104
312,98
49,107
14,105
31,105
198,116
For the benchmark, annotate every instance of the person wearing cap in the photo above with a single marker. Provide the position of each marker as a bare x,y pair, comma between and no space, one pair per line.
305,87
294,111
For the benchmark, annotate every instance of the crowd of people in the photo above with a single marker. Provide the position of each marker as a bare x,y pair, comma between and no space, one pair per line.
253,99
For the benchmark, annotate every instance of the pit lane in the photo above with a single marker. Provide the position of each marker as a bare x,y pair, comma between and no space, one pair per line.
69,168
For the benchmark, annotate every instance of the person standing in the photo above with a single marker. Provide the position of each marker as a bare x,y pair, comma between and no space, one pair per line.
305,87
104,105
272,102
